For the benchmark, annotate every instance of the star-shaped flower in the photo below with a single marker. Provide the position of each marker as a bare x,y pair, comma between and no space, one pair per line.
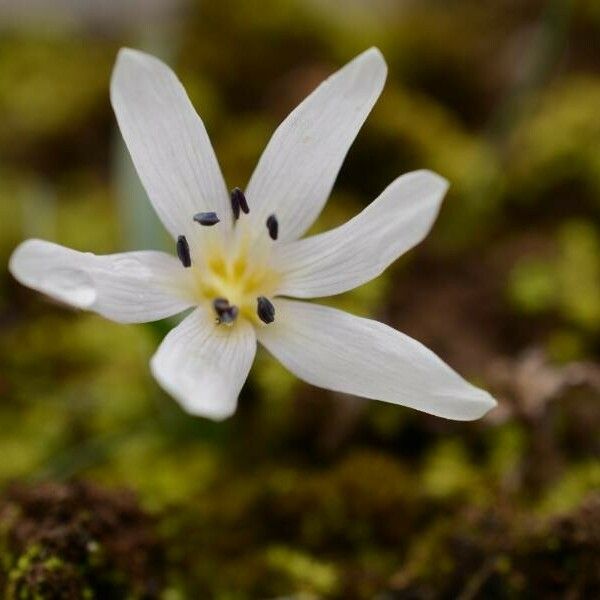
240,257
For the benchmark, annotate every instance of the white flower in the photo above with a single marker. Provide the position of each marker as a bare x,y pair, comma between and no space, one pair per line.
239,273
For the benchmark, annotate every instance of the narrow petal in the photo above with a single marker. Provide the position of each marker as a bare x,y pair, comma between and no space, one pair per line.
204,365
167,142
338,351
133,287
300,164
350,255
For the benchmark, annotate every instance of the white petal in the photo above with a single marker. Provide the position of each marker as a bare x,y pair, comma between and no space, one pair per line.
167,142
345,257
204,365
335,350
133,287
298,168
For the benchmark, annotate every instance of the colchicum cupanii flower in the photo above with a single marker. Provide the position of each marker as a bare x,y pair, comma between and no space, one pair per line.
241,263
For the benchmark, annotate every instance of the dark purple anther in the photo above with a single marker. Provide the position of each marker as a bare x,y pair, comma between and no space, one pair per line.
238,201
235,205
273,227
265,310
226,313
183,251
206,218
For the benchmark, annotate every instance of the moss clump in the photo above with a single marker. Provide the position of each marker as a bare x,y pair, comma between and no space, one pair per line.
285,528
36,576
74,541
500,553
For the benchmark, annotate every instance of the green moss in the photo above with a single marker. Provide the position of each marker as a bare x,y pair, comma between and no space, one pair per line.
275,386
532,286
558,143
163,474
37,577
567,493
568,282
305,573
508,446
579,273
37,91
448,472
566,345
63,541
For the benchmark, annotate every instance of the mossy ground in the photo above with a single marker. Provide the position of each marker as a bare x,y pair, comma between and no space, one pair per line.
77,541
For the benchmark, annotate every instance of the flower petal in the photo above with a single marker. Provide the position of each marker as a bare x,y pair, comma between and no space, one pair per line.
167,142
204,365
358,251
299,166
133,287
335,350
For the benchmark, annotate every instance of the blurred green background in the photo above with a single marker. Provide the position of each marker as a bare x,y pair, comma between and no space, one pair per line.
306,493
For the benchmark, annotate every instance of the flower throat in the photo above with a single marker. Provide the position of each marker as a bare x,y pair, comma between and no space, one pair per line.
235,280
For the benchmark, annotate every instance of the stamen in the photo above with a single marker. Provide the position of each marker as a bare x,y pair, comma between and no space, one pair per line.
265,310
183,251
220,304
273,227
226,313
229,316
206,218
238,198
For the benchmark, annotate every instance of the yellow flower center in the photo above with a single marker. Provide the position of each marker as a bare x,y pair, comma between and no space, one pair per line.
237,270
